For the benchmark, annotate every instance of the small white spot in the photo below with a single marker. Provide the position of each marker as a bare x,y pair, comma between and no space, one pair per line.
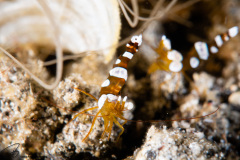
101,101
195,148
213,49
125,99
166,42
129,55
111,97
164,37
137,39
175,66
233,31
119,98
175,56
226,38
202,50
194,62
218,40
118,61
207,120
105,83
128,105
127,45
119,72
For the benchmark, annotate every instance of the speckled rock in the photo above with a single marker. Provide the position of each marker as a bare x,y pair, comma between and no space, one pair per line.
169,144
234,98
24,118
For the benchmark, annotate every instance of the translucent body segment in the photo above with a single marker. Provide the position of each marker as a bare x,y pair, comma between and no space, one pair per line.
123,62
115,86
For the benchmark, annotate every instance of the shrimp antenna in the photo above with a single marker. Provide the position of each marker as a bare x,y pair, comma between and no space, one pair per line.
171,120
88,94
151,18
82,112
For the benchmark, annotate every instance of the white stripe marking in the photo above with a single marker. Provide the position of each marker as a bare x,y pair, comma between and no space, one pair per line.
194,62
101,101
175,56
129,55
213,49
226,38
125,99
119,98
218,40
175,66
166,42
128,105
118,61
111,97
119,72
137,39
105,83
202,50
233,31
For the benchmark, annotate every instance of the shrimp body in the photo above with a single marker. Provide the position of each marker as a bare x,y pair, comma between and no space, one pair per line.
110,103
202,50
170,60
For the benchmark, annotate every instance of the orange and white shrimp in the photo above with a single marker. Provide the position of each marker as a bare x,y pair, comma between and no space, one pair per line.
171,60
110,104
